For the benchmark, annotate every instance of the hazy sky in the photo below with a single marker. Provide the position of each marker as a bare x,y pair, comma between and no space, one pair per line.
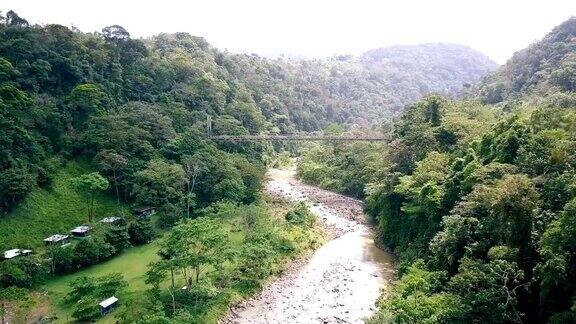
315,28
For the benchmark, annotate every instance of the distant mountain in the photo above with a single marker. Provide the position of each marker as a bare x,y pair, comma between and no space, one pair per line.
363,89
415,70
545,69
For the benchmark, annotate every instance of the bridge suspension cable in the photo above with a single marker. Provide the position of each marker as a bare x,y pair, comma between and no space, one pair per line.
289,137
257,138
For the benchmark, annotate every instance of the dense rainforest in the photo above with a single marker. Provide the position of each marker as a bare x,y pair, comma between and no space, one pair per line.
543,72
95,124
67,93
476,197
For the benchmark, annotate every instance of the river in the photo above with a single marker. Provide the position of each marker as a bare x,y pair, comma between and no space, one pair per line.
340,282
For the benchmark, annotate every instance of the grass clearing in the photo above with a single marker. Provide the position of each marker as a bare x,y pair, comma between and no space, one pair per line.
56,209
132,264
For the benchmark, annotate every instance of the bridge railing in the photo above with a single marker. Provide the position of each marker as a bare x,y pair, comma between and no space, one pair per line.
248,138
289,137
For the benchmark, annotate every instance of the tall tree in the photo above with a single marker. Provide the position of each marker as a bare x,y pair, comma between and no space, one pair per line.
194,167
160,184
86,100
112,162
90,185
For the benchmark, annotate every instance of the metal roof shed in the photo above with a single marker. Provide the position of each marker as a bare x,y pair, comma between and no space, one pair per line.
80,231
12,253
107,305
144,212
56,239
9,254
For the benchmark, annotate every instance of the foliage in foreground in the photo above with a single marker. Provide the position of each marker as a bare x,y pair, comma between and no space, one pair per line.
485,201
205,265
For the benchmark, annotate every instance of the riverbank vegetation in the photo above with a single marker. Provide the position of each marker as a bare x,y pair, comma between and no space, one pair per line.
476,200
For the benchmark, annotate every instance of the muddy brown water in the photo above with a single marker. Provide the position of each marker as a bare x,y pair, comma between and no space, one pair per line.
340,282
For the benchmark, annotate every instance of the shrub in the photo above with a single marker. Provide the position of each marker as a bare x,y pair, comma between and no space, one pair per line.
86,309
61,259
300,215
140,232
88,252
117,236
21,272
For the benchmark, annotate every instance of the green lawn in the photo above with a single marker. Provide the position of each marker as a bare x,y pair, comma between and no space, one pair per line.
56,209
132,263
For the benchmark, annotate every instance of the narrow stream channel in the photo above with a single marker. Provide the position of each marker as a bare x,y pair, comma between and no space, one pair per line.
342,280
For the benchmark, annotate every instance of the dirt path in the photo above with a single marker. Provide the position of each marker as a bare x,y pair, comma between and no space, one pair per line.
341,281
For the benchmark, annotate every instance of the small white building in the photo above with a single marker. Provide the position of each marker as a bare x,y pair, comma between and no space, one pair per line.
81,231
11,254
111,220
56,239
107,305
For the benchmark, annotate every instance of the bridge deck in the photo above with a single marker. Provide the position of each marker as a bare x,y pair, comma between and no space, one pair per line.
255,138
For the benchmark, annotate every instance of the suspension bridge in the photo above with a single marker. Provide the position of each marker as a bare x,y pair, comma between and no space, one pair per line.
291,137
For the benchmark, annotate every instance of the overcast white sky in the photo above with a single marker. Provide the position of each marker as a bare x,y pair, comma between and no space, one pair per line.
315,28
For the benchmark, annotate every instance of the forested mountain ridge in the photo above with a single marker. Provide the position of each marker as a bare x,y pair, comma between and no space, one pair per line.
65,93
544,71
376,85
416,70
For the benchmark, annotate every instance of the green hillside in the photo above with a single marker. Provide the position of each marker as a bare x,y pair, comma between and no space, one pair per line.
543,72
47,211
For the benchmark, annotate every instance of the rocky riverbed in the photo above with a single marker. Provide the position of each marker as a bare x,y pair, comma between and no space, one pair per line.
340,282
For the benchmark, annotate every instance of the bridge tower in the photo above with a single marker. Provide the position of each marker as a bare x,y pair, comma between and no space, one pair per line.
209,126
